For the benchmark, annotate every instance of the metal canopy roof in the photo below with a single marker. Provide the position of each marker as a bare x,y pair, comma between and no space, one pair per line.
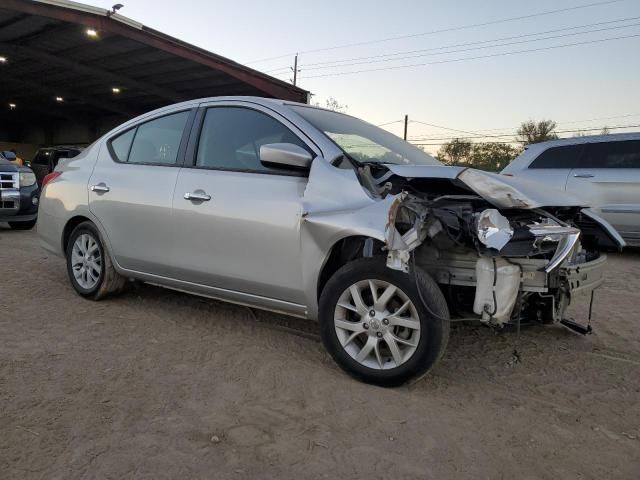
50,53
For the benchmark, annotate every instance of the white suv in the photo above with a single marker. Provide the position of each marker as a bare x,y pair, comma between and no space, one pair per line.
604,170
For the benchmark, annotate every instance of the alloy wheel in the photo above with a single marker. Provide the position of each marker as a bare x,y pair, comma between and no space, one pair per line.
377,324
86,261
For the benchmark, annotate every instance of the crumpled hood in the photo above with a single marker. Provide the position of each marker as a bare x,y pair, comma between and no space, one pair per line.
500,190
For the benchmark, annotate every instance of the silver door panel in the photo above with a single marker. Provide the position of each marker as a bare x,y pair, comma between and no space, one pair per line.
246,238
136,212
614,194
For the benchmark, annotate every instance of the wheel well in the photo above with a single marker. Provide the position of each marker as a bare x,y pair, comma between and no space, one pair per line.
69,227
344,251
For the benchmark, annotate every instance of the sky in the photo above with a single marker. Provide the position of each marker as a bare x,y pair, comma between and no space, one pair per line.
580,86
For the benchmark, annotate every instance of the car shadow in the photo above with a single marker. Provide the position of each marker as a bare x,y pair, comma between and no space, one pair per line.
475,352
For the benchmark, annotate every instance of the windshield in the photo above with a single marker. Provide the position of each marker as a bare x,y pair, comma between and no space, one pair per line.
363,141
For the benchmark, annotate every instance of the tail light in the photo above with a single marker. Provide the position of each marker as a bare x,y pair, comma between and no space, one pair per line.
48,178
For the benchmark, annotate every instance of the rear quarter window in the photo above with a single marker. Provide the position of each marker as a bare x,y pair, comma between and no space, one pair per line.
154,142
122,144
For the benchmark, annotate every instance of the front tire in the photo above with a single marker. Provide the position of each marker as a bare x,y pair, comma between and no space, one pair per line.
89,266
376,327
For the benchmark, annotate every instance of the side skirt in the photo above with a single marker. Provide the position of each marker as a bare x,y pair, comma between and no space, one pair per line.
225,295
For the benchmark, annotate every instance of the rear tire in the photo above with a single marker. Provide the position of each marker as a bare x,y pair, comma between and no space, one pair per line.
89,265
22,225
403,337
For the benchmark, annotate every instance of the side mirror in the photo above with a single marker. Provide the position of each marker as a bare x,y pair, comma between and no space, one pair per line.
285,155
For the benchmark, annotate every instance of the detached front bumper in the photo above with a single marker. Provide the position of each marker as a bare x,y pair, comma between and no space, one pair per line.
583,277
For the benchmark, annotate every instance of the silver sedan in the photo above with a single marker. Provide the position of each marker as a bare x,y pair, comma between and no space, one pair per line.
317,214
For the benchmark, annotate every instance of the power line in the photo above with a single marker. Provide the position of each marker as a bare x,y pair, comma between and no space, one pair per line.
442,143
396,56
568,122
540,49
389,123
281,69
390,57
444,128
617,127
444,30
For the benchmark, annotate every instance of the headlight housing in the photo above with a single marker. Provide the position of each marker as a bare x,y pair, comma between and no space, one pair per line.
493,229
27,178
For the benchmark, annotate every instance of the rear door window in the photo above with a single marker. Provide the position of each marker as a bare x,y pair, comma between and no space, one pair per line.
613,155
155,142
568,156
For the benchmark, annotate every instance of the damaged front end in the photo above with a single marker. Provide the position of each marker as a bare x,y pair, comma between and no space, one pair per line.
499,254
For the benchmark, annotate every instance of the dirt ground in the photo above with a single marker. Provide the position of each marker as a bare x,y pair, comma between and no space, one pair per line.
157,384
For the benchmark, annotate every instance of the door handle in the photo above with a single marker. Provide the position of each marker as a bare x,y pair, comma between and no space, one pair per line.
100,188
198,197
583,175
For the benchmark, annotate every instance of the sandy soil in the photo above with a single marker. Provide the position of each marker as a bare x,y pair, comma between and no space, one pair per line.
156,384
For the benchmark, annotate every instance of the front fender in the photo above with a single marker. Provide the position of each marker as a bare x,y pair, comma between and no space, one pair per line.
321,231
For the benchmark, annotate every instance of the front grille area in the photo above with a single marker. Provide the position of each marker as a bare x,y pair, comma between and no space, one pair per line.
9,192
8,181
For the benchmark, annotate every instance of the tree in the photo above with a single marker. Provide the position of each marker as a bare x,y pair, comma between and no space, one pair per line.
492,156
333,104
484,156
532,132
456,152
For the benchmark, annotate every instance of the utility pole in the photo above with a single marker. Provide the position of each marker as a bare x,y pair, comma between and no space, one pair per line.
406,122
295,70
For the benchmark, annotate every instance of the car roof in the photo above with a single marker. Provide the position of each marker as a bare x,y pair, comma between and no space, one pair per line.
610,137
62,147
534,150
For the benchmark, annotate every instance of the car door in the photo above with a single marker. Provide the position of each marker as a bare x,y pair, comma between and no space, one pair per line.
239,221
609,176
131,191
553,166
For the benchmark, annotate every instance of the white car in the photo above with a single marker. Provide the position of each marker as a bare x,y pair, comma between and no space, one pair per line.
603,170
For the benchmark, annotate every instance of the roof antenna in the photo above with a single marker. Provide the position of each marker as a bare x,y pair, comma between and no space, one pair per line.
114,9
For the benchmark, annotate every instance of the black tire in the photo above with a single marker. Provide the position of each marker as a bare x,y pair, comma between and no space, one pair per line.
434,329
109,281
23,225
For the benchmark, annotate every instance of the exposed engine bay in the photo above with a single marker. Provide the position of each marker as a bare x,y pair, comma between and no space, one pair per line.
498,254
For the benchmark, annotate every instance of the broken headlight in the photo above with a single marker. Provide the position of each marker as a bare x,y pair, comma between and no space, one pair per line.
492,228
550,232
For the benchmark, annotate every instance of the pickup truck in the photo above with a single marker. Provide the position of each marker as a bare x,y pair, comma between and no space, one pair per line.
19,196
